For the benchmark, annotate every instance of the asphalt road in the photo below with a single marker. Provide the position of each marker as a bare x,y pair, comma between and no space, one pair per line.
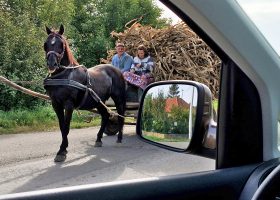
26,160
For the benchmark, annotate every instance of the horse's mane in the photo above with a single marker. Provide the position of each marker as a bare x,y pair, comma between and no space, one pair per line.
71,58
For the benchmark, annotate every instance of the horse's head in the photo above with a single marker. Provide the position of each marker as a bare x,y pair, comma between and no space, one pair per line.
55,48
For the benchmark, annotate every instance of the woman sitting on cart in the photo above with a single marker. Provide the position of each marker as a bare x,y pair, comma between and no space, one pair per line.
141,70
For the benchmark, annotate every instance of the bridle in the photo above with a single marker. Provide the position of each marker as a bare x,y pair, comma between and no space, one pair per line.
58,55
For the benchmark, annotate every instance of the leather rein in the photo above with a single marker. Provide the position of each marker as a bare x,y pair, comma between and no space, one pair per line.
52,81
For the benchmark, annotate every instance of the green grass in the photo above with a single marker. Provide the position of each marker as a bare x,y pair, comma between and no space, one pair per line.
215,104
156,139
41,119
150,136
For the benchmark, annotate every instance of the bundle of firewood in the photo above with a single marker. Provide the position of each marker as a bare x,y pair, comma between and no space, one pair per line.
178,53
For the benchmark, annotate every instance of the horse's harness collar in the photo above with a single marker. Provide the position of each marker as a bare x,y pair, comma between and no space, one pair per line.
53,81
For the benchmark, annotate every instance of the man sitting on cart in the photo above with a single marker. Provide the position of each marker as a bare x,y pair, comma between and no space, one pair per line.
121,59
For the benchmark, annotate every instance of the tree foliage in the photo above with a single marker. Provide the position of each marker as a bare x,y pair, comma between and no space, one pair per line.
174,90
179,118
154,115
22,36
96,19
157,119
88,24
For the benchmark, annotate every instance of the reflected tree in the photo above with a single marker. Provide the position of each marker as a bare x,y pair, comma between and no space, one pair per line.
174,90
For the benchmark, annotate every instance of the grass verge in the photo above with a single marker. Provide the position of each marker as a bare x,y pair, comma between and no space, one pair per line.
41,119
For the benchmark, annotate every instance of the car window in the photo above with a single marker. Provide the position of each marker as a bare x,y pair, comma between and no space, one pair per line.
278,134
264,14
27,158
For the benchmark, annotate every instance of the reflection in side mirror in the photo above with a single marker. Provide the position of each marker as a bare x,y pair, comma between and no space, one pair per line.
169,113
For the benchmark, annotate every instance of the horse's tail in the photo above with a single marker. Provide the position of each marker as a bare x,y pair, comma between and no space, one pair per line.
119,86
123,91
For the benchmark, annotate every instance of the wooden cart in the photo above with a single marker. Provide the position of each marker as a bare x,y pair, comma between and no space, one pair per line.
132,105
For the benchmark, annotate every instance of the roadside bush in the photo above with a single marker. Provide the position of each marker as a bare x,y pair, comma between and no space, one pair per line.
6,123
41,118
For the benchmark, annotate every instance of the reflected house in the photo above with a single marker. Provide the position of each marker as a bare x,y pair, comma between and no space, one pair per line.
175,102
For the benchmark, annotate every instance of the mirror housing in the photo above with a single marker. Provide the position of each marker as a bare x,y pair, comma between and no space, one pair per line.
203,131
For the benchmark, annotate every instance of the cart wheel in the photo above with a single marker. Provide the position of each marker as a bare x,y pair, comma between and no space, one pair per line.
112,128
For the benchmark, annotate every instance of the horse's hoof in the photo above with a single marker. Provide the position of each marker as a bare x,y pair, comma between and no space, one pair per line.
98,144
119,141
60,158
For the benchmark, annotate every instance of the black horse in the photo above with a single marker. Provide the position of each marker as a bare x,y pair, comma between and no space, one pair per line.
72,86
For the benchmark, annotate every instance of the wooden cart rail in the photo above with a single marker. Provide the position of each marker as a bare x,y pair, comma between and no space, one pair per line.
131,107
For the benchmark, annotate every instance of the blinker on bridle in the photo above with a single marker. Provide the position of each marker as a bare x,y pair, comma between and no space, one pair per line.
58,55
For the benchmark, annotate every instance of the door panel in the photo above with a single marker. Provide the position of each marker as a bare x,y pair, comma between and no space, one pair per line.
219,184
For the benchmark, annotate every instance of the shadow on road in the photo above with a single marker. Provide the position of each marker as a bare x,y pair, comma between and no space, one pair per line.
93,164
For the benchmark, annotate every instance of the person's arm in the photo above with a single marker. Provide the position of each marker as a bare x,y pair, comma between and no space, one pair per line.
137,62
134,63
114,62
132,69
127,64
150,64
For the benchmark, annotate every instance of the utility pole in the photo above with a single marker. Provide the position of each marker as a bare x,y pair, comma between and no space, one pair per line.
190,116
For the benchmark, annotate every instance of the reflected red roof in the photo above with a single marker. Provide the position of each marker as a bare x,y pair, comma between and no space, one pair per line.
175,101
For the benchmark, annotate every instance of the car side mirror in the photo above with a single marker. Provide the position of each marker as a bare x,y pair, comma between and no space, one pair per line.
177,115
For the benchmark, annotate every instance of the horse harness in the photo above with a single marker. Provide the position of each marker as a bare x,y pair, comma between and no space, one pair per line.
52,81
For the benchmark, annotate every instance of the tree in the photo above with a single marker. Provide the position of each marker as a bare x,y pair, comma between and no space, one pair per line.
160,123
174,91
118,12
21,52
96,19
180,116
148,116
88,24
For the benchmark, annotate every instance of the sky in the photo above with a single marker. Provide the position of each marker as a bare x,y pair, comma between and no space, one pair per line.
264,13
187,92
167,13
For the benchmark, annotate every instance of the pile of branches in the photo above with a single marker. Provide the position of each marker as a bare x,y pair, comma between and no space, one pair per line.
178,53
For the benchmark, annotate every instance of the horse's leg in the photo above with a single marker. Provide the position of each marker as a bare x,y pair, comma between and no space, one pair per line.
120,124
120,105
64,124
104,120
